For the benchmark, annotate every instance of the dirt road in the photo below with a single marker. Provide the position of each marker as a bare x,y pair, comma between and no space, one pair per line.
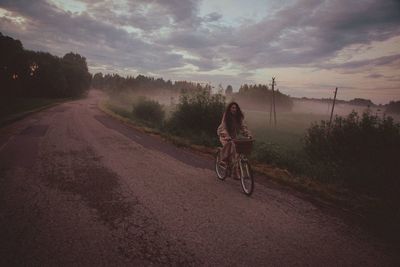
79,188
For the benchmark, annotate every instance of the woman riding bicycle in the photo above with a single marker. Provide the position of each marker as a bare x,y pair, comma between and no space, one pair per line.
230,128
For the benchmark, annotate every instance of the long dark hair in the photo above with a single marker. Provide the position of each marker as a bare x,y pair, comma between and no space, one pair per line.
228,117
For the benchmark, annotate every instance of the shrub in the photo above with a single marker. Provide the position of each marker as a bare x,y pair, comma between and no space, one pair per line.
197,116
149,111
271,153
361,151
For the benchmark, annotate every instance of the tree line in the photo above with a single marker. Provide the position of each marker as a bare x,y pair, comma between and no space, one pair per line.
260,96
114,83
393,107
251,96
25,73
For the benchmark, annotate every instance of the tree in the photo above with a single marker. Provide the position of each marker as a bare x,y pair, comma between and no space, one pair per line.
260,96
361,102
76,73
25,73
229,90
393,107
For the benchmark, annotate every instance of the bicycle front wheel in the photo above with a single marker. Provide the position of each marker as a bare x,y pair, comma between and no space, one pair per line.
246,177
221,169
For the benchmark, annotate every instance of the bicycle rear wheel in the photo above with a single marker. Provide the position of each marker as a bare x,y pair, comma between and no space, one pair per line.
221,169
246,177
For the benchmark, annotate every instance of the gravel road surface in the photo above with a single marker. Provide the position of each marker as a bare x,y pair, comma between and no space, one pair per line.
79,188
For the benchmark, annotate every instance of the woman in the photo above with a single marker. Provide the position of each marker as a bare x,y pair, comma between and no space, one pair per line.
231,126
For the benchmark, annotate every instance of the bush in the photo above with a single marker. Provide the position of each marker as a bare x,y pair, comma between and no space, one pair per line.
197,116
274,154
360,151
149,111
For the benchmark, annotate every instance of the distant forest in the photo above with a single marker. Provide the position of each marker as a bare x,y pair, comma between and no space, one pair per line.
393,107
143,84
25,73
250,96
260,97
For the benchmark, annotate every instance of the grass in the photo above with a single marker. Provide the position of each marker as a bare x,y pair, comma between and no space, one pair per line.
12,109
288,132
113,109
10,106
286,137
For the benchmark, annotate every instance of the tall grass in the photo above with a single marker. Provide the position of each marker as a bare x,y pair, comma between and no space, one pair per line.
197,117
149,111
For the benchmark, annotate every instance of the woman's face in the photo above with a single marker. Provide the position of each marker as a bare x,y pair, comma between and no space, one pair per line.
233,109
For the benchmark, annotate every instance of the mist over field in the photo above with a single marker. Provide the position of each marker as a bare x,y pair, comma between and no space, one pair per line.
310,111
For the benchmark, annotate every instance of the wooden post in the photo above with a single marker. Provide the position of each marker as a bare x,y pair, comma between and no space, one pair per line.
333,107
273,98
270,113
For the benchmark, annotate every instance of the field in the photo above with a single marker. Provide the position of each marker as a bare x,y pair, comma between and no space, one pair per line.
286,136
288,132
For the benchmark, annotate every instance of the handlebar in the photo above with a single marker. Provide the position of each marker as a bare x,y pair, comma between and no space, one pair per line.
241,139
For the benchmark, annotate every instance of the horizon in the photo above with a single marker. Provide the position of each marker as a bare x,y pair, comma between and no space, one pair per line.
310,46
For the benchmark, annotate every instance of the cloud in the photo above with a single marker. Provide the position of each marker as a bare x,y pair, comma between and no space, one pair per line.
212,17
55,29
144,34
375,76
389,61
312,31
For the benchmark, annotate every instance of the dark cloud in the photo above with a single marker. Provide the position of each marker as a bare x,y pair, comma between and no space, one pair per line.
312,31
205,64
214,16
62,31
392,61
146,14
306,33
394,79
374,76
154,35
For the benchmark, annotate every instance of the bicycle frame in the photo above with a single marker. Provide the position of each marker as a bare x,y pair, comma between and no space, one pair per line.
239,163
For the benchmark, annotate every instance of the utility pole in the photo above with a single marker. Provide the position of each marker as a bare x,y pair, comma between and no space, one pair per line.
270,112
333,107
273,99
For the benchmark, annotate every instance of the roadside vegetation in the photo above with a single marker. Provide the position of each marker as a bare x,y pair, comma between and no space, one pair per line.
29,79
197,116
149,112
12,109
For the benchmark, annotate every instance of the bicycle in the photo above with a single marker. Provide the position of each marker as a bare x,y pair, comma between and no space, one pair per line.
243,148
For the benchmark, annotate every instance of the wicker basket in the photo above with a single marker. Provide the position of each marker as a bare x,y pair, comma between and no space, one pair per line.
244,146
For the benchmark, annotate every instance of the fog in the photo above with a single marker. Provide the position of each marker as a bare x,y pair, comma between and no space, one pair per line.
126,99
325,108
341,109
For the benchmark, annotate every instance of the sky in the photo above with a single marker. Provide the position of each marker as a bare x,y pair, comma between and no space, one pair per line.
310,46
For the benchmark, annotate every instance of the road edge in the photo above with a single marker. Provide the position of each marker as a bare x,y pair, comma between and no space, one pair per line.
19,116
